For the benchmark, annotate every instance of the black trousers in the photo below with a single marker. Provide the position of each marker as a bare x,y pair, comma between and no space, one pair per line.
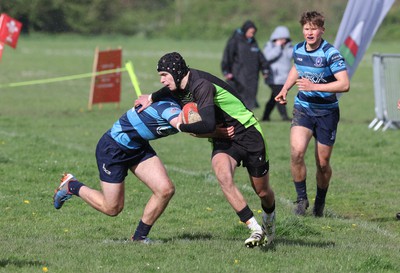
275,89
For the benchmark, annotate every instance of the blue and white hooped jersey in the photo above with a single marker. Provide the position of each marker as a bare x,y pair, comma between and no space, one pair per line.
319,66
134,129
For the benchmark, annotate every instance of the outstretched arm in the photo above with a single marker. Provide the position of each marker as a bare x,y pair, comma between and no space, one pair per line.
145,100
290,81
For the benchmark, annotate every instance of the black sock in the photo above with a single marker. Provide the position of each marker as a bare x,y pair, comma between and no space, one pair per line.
301,189
245,214
74,187
142,231
321,194
269,210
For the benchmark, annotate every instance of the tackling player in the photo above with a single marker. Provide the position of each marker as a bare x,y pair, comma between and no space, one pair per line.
126,147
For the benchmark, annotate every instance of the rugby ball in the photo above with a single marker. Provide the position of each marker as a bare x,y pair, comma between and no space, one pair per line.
190,114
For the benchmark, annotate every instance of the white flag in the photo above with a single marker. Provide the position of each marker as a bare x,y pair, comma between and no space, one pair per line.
360,22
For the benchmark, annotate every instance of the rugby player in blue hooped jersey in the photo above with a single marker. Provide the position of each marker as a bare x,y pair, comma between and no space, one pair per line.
319,72
126,147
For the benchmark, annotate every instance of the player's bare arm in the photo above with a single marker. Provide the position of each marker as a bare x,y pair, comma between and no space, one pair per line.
342,84
290,81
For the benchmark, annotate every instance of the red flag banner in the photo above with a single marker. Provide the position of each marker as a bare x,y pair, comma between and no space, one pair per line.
9,30
1,49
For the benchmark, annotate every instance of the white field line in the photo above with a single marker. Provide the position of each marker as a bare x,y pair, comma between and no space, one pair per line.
80,148
210,178
188,172
8,133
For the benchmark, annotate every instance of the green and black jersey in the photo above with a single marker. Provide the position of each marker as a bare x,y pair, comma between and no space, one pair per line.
207,90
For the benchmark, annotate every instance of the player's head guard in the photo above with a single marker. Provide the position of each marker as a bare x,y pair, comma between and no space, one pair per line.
174,64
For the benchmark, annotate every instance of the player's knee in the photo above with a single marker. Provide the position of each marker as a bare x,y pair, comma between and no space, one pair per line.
114,210
264,193
224,178
297,157
323,166
167,192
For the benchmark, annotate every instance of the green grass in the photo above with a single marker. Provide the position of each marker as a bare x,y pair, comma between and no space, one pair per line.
47,129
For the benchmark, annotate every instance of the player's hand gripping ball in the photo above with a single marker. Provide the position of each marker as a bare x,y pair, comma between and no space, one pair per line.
190,113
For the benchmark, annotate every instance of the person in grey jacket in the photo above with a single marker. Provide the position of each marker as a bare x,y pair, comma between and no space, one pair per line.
242,62
278,51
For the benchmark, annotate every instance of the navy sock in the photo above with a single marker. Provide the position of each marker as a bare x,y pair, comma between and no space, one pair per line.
74,187
301,189
142,231
245,214
321,194
269,210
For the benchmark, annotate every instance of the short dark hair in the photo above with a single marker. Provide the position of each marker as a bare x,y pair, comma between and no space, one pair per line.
313,17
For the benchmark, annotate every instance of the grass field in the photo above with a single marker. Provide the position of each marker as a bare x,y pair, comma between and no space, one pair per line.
46,130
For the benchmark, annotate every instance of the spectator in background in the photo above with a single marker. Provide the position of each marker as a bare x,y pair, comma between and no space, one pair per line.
242,62
278,51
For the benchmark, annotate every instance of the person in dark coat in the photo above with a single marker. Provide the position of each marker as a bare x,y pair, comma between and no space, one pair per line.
242,62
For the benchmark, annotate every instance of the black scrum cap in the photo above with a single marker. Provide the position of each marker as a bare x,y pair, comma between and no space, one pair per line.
174,64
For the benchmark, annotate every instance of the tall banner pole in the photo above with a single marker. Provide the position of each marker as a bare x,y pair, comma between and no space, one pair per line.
93,80
132,76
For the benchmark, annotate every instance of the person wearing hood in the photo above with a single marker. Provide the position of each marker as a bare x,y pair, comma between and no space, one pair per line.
278,51
242,62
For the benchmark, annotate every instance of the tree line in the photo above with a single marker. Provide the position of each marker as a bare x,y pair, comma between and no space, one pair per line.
177,19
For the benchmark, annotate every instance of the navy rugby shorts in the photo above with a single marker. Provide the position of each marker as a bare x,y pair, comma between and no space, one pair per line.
323,127
113,162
